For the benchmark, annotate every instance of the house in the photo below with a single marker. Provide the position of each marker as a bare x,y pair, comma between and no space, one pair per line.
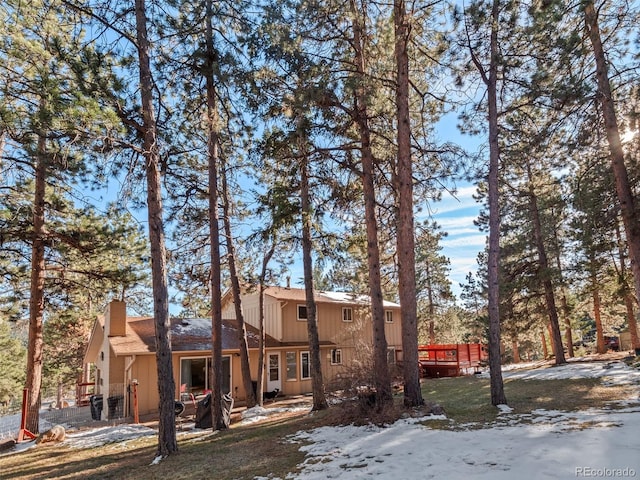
121,349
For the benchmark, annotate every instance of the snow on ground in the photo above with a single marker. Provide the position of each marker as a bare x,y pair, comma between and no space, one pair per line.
594,443
601,443
258,414
102,436
556,446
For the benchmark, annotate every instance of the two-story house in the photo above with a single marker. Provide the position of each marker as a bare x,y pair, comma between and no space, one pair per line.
121,349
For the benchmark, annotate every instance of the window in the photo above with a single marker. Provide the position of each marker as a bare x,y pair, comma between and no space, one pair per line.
336,356
305,365
347,314
274,367
193,375
302,312
391,356
388,316
292,367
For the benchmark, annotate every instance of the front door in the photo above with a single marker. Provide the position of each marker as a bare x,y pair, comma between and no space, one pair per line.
273,373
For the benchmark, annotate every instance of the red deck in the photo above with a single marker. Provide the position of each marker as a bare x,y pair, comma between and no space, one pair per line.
451,360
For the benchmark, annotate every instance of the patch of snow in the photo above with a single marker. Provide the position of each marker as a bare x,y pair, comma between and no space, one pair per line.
344,297
156,460
258,413
197,327
102,436
504,408
547,444
544,444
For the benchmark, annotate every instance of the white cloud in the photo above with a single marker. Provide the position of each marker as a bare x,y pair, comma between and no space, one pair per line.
462,200
451,224
475,242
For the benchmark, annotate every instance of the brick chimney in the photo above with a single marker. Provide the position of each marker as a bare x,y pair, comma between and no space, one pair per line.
116,318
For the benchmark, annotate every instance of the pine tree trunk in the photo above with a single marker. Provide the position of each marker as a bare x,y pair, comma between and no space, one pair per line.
235,287
495,368
261,348
405,230
623,187
317,383
543,263
595,293
3,143
167,443
432,310
214,228
543,340
629,301
564,305
631,320
382,378
36,300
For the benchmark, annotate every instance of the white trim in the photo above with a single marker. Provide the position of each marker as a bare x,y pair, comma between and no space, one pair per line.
338,356
277,383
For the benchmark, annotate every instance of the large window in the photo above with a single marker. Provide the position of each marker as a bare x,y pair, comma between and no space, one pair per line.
194,375
305,364
302,312
292,367
347,314
336,356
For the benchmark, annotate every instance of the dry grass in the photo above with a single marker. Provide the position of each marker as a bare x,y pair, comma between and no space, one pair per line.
247,451
467,400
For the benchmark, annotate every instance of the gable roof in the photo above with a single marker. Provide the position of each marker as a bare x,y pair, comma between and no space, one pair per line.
298,294
187,334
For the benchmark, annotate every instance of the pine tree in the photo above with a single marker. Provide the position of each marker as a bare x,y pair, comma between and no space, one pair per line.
433,288
13,360
51,119
489,72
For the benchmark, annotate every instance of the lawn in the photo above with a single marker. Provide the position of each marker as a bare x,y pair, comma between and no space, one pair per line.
247,451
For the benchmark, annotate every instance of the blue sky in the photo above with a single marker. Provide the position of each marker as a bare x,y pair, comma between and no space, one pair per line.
464,241
456,217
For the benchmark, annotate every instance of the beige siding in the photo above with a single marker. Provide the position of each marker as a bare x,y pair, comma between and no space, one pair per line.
116,370
251,312
332,328
330,372
354,339
144,370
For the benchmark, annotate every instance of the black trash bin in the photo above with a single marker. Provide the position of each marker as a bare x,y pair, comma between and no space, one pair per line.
203,411
95,403
116,404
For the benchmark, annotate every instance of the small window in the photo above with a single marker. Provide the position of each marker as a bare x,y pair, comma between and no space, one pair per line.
336,356
391,356
292,367
302,312
388,316
347,314
305,363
